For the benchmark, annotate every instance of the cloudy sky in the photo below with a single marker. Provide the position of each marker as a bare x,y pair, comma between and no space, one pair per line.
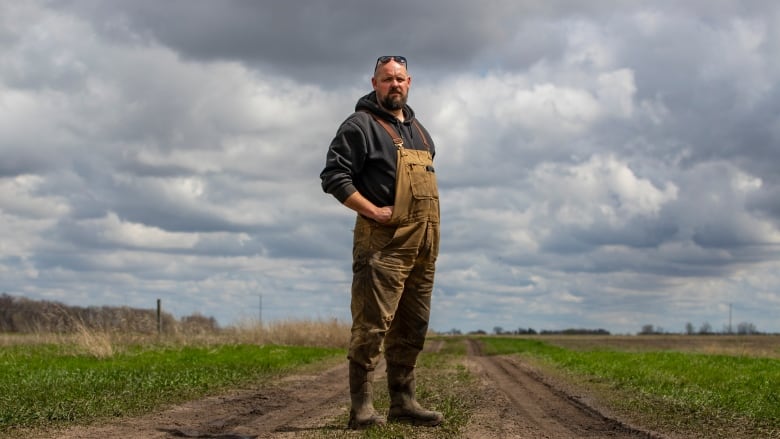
602,164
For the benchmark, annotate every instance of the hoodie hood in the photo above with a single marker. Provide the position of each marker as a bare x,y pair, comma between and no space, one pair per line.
363,158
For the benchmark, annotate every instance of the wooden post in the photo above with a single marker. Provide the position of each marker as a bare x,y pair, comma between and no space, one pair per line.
159,316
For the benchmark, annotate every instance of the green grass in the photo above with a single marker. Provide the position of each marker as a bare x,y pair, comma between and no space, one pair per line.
688,393
443,384
49,385
691,391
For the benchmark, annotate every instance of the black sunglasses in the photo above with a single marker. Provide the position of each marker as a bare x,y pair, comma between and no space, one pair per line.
385,59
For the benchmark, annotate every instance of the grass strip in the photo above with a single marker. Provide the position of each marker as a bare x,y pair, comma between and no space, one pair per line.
443,384
48,385
689,391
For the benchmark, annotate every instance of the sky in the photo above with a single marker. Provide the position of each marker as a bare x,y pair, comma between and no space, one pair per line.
601,164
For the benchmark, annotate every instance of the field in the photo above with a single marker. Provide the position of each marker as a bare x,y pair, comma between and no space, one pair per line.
290,380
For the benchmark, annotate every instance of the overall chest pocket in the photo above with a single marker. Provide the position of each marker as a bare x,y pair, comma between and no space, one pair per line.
422,180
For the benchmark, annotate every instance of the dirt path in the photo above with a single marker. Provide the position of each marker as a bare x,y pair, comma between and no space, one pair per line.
526,405
522,406
284,409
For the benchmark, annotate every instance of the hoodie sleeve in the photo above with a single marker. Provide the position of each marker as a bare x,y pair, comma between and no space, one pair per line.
344,159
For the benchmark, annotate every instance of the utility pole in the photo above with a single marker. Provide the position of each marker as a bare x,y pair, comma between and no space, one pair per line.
260,311
731,331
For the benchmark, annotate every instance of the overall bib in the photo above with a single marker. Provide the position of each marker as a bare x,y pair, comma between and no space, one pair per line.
393,266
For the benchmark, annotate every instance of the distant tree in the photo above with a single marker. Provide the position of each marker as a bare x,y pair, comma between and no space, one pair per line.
746,328
455,331
522,331
498,330
23,315
576,331
199,324
705,328
647,330
689,328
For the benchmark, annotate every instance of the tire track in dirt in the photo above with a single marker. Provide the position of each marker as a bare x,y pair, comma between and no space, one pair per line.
516,403
526,406
291,407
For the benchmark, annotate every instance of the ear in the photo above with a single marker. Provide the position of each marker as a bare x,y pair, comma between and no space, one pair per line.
373,82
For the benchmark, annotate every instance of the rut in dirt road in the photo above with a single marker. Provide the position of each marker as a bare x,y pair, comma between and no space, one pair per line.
516,403
293,406
299,405
538,410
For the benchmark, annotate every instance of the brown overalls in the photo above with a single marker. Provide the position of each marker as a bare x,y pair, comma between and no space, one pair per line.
393,266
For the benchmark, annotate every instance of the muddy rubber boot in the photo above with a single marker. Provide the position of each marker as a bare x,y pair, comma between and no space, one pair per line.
403,405
362,414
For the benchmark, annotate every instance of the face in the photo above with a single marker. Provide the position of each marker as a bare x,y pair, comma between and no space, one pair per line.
391,83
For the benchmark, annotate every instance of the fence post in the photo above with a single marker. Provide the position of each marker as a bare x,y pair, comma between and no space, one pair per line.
159,316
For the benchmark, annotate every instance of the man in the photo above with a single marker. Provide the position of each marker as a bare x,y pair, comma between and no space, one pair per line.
380,164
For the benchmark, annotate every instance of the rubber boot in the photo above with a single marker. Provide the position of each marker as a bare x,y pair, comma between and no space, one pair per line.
362,414
403,405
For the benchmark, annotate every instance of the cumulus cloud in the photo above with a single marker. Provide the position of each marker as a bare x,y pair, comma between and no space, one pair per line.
601,164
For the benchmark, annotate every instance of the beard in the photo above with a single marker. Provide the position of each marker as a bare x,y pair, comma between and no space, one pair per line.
394,102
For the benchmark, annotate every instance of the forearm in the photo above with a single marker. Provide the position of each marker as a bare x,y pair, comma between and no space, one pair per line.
365,207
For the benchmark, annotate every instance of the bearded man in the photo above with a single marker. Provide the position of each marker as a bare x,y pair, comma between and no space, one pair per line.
380,165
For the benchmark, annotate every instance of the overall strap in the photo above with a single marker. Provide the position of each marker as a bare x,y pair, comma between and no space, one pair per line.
422,134
397,140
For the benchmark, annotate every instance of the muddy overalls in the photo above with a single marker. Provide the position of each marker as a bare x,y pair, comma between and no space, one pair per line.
394,264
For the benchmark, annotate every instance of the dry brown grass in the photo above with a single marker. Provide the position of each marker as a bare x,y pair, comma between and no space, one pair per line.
104,344
83,341
95,344
322,333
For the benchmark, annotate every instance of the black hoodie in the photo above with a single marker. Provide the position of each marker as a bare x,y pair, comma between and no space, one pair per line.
362,156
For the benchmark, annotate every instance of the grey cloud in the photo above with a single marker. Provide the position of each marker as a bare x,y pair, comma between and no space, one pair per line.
18,162
294,40
598,161
765,202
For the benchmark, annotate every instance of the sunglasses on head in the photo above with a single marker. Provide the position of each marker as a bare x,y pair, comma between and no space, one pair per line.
385,59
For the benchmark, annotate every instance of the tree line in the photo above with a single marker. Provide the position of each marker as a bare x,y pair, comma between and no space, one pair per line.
742,328
23,315
498,330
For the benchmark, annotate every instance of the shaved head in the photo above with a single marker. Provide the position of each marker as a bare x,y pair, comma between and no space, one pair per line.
391,83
